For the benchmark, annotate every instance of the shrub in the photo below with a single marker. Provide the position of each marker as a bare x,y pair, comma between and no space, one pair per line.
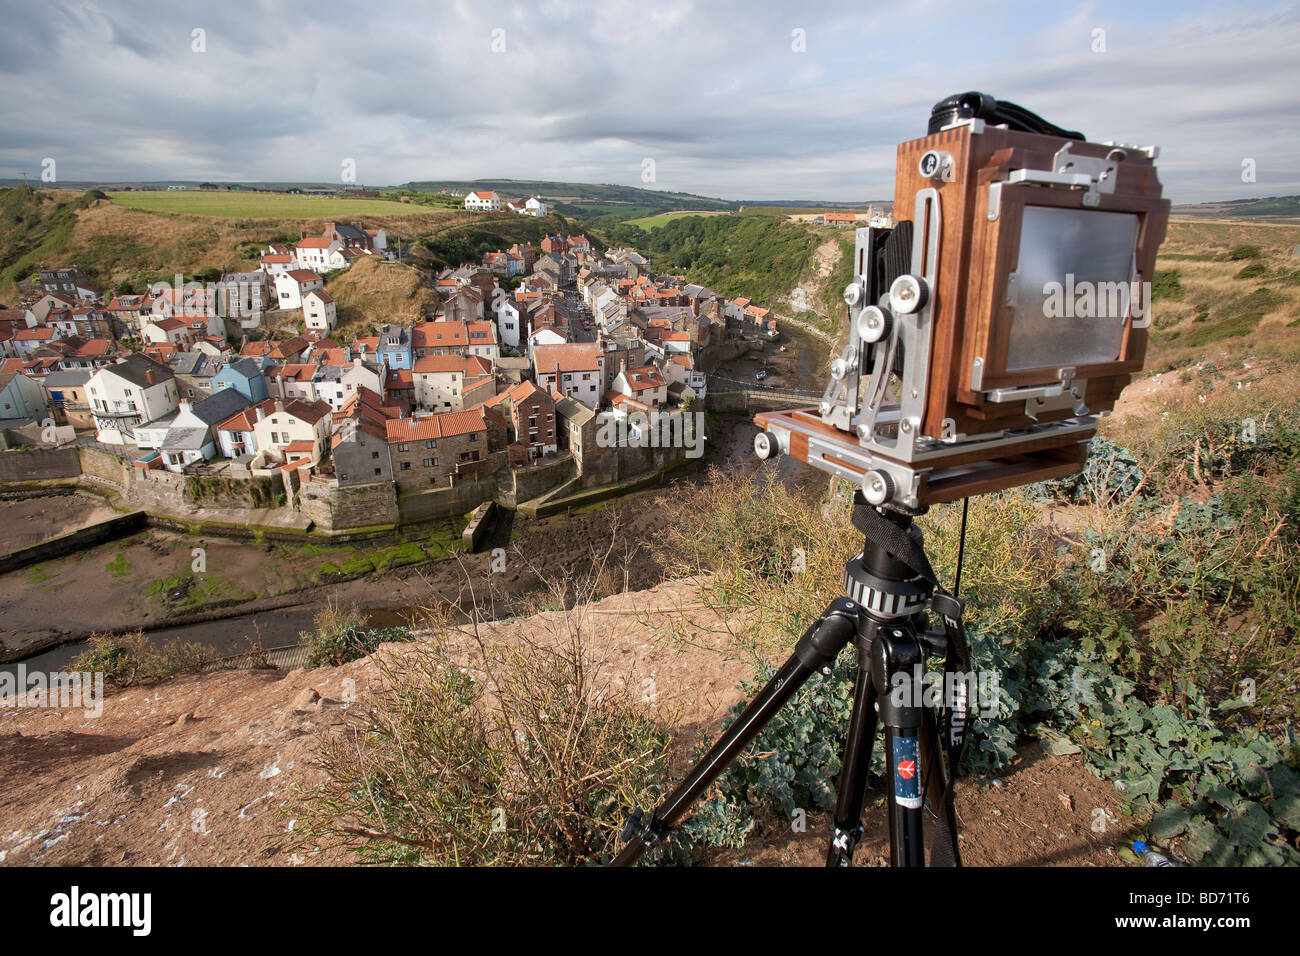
1166,285
342,636
525,754
1252,271
1238,253
130,659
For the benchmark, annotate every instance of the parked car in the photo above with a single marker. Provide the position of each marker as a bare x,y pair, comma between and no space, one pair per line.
760,374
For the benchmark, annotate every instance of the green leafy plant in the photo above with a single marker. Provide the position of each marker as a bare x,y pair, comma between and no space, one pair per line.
342,636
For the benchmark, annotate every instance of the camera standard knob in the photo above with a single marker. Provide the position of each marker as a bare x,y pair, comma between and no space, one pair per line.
909,294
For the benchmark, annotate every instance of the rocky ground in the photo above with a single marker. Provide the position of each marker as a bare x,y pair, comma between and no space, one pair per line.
207,769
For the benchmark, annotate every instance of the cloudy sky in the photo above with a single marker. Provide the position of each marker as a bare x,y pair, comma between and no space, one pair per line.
746,100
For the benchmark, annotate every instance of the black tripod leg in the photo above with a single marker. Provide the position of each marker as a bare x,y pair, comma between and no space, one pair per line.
819,645
897,660
857,764
938,796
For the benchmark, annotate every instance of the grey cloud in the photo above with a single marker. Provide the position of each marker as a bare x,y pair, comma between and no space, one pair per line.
584,91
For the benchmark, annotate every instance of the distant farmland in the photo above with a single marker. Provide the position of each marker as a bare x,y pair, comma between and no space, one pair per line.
650,222
239,205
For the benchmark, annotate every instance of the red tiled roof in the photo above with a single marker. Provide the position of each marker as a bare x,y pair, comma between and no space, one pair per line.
444,334
436,426
443,363
572,357
298,373
620,401
641,379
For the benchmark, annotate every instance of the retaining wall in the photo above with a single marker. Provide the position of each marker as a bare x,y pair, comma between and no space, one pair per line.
74,541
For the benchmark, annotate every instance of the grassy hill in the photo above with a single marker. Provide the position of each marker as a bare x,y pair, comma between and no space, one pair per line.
662,219
374,292
250,205
1226,291
112,244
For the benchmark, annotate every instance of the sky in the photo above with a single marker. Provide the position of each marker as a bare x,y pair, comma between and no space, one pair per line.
757,100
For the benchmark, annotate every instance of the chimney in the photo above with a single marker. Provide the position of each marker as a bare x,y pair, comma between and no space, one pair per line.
183,406
279,403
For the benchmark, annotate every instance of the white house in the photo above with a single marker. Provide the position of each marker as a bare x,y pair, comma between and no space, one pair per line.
292,430
129,393
645,385
338,384
278,263
510,321
191,435
483,340
319,310
442,381
575,371
316,253
534,207
166,331
293,285
483,202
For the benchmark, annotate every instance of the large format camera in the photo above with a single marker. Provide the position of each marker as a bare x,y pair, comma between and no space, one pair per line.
996,321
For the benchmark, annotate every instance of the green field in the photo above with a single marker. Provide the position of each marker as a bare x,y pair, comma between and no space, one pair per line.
650,222
238,205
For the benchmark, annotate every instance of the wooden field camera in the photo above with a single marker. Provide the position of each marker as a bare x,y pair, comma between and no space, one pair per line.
1004,312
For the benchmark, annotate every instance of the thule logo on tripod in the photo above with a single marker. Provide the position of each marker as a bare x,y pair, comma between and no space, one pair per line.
957,721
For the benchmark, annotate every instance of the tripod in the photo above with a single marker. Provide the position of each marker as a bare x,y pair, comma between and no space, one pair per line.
889,585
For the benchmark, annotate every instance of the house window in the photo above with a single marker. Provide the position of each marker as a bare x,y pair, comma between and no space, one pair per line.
431,443
474,436
406,466
373,454
403,447
430,462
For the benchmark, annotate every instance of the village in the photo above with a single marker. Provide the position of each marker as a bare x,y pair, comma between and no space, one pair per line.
543,372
